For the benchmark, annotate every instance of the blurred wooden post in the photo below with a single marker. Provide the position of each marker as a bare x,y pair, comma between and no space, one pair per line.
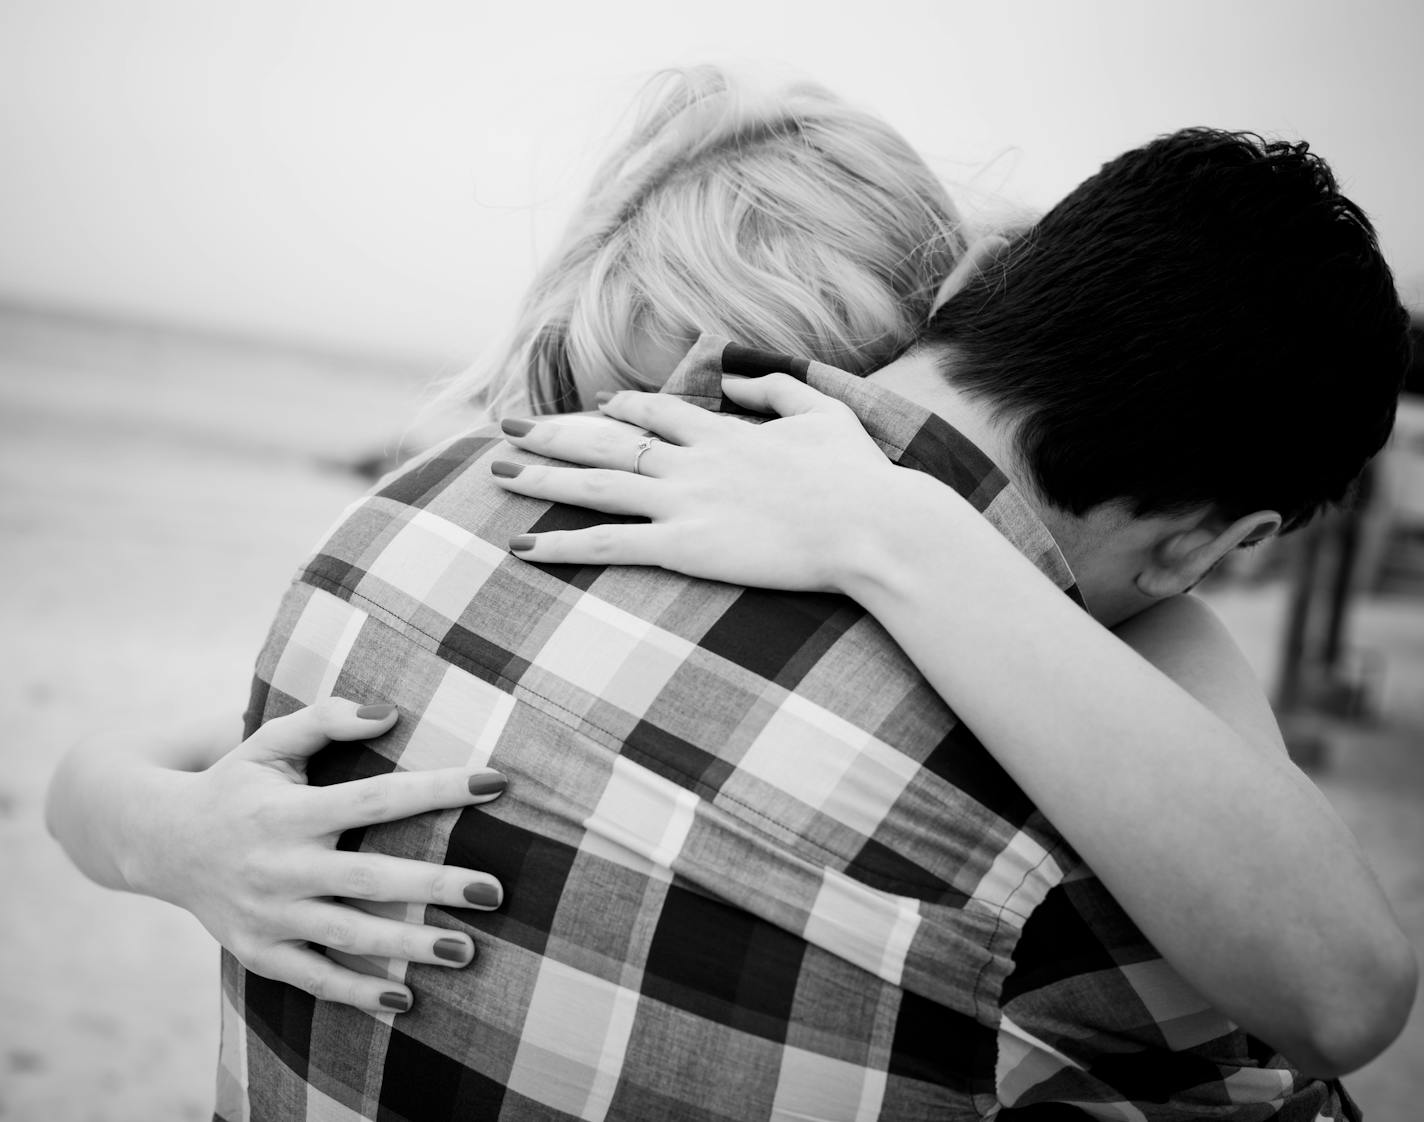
1289,689
1312,689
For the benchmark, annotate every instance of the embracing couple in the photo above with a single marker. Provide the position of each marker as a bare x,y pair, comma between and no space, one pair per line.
857,755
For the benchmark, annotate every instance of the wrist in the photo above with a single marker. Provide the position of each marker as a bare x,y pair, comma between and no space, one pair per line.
909,531
146,842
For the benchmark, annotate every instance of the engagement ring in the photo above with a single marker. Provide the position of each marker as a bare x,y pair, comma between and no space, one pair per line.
643,445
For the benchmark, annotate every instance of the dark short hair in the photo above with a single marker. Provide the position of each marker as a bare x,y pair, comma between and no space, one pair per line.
1206,321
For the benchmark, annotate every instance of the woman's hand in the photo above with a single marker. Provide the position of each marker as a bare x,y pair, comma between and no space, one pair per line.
250,850
785,504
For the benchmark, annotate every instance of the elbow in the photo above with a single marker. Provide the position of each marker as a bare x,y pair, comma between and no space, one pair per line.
1366,1012
54,802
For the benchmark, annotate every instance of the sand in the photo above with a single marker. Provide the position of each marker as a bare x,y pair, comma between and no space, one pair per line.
156,493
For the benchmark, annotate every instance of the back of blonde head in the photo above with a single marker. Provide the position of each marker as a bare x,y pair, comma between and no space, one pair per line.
785,219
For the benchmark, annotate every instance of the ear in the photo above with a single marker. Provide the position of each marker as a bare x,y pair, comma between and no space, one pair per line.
1183,555
979,254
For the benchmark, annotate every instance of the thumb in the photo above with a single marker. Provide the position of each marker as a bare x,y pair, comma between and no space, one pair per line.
777,393
307,731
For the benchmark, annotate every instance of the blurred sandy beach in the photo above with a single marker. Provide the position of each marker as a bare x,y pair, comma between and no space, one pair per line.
156,492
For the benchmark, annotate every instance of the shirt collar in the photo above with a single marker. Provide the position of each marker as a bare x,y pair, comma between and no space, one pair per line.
909,434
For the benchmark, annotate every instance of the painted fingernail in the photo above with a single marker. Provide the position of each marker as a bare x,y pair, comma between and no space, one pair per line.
452,950
488,783
394,999
603,397
505,469
521,543
482,895
375,712
516,426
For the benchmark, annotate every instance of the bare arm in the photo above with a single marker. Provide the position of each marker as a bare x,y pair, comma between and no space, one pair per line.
235,836
1222,851
1183,638
99,793
1178,795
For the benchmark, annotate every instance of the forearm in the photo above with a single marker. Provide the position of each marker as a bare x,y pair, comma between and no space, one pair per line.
105,798
1222,852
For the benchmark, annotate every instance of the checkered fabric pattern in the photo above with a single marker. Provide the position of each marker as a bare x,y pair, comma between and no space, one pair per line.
754,866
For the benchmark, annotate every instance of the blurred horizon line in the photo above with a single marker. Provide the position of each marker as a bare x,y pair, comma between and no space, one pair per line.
138,329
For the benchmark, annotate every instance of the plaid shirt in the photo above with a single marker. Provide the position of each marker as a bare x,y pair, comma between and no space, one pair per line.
755,868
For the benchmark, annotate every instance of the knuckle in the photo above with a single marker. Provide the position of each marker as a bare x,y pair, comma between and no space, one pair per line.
354,992
325,714
241,914
338,933
371,797
259,959
434,788
439,884
601,542
607,442
272,726
266,815
256,872
314,983
251,916
406,946
247,951
631,412
361,882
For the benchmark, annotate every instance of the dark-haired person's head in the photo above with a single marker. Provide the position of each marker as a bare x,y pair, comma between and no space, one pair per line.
1203,339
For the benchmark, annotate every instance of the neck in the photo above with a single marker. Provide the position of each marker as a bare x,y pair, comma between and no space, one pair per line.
1102,556
919,375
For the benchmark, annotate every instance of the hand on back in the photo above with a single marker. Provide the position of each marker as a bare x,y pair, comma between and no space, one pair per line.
250,849
765,505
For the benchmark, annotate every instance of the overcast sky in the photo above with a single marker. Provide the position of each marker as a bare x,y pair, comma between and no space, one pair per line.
382,176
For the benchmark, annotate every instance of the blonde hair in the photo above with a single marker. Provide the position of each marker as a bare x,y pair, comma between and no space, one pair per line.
787,220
